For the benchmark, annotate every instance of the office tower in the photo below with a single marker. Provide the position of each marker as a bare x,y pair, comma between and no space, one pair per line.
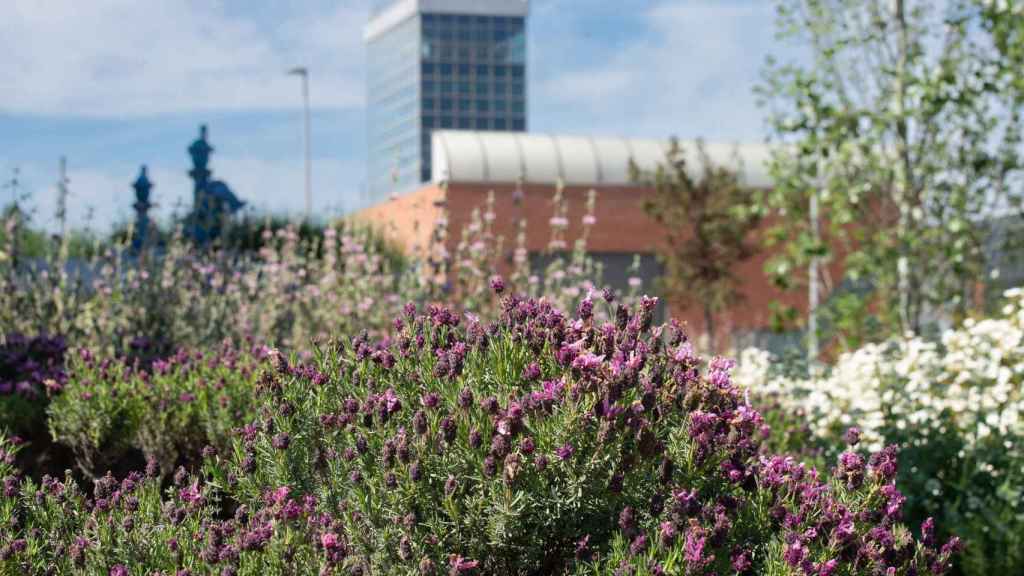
439,64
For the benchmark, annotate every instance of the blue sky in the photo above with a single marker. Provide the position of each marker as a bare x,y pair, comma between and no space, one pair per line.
113,84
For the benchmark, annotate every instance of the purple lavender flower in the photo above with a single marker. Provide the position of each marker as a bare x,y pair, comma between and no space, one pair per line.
884,463
638,545
531,372
419,422
497,284
666,533
565,452
281,441
460,565
741,561
693,548
852,436
430,400
527,445
795,553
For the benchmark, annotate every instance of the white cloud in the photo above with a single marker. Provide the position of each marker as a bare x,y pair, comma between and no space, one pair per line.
115,58
690,74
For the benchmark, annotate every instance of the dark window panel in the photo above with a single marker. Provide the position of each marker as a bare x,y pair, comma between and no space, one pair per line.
500,124
518,124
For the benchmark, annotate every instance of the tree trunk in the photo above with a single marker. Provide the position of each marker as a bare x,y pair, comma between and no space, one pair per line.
902,192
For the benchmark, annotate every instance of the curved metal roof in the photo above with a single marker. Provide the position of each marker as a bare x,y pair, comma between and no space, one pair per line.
468,156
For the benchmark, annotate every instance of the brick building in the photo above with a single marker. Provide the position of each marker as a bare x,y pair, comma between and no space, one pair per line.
473,164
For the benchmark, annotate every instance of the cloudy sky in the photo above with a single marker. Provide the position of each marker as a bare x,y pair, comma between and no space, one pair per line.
113,84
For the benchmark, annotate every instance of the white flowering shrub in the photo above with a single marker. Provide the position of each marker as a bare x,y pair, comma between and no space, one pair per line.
955,406
972,381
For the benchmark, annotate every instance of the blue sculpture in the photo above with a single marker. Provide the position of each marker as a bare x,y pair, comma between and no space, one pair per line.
142,205
213,200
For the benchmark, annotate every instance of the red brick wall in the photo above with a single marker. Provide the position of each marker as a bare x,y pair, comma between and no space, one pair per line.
622,226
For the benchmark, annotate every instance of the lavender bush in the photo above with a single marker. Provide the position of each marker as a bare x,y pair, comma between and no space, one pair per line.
166,413
533,444
291,291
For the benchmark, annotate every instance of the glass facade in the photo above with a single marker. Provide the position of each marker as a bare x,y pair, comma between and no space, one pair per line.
439,70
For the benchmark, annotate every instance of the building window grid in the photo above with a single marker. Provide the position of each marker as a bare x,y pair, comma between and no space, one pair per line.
470,74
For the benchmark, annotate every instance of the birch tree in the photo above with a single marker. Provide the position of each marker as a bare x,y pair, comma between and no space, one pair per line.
903,116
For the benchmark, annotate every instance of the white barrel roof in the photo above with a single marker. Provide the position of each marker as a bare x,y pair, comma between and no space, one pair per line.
469,156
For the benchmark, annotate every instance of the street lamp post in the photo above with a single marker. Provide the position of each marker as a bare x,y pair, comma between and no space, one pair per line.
303,72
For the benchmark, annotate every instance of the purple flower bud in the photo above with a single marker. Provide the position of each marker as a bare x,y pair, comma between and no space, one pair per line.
666,533
928,532
852,436
608,294
531,372
448,429
541,463
527,445
430,400
565,452
475,439
419,422
490,405
281,441
497,284
638,545
465,399
627,522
